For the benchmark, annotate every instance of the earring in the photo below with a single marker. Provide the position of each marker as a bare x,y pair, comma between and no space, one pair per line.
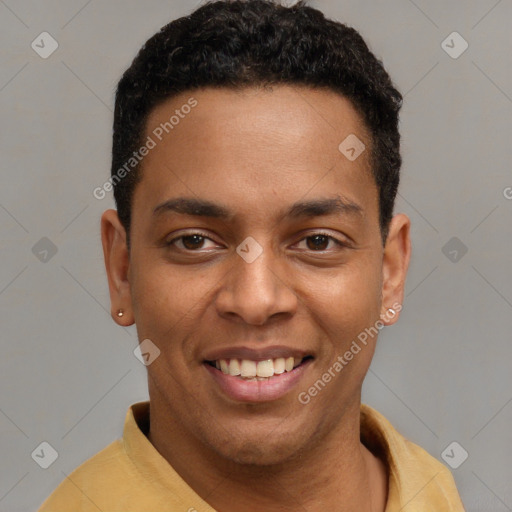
120,313
390,313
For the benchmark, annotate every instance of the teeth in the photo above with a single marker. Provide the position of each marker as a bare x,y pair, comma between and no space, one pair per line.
234,367
248,368
257,370
279,366
265,368
224,366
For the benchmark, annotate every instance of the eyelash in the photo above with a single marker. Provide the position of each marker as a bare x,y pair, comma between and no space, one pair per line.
171,242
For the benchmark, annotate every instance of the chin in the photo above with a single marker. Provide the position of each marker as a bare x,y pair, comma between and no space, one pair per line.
260,449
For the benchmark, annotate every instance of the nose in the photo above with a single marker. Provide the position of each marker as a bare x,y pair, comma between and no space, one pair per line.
257,291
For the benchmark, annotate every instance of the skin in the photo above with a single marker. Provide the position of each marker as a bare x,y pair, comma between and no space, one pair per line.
256,152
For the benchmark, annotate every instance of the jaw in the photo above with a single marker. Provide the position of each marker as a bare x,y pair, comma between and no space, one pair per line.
254,425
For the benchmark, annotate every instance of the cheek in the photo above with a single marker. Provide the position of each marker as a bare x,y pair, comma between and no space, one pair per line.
160,287
169,305
345,313
346,302
161,298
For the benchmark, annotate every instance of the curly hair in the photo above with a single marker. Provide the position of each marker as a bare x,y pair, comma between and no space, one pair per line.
243,43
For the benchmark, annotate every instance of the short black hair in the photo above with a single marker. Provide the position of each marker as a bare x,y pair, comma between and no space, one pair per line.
243,43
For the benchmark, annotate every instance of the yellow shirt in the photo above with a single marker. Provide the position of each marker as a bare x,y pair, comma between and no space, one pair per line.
129,475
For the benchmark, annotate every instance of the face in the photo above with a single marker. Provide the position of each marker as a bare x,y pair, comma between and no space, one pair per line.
256,249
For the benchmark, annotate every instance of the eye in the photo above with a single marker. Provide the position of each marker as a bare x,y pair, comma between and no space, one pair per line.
194,241
319,242
189,241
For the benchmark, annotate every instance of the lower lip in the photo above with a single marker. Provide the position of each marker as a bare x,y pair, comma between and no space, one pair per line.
258,390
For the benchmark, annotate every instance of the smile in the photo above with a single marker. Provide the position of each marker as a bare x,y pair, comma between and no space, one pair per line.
248,369
257,380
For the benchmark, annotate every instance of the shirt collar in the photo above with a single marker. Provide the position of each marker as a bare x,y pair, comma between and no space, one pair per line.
377,434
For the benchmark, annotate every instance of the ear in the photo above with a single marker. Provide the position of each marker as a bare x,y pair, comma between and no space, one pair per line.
395,264
117,262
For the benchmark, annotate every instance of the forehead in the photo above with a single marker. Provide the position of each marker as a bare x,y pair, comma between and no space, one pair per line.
274,113
253,145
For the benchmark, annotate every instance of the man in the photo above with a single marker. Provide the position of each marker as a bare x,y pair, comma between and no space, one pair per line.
255,164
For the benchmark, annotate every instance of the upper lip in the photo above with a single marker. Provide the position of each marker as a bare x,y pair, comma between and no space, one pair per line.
259,354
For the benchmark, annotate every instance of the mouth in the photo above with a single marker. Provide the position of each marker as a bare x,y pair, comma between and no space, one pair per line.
257,370
259,379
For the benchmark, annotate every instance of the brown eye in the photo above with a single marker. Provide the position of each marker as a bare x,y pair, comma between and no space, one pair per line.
192,242
319,242
189,242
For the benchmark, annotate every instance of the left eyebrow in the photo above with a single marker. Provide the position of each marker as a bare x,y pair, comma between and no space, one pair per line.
324,207
312,208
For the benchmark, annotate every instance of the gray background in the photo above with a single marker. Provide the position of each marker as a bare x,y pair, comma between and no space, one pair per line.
67,371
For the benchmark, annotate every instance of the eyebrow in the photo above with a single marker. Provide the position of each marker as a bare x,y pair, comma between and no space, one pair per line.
300,209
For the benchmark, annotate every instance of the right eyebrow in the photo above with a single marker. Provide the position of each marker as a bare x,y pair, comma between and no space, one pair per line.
192,206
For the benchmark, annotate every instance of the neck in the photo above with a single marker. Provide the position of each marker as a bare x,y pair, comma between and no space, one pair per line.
335,473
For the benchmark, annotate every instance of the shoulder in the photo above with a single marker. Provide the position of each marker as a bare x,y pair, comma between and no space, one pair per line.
416,478
77,491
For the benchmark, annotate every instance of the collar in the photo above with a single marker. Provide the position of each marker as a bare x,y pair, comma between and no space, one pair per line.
407,464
